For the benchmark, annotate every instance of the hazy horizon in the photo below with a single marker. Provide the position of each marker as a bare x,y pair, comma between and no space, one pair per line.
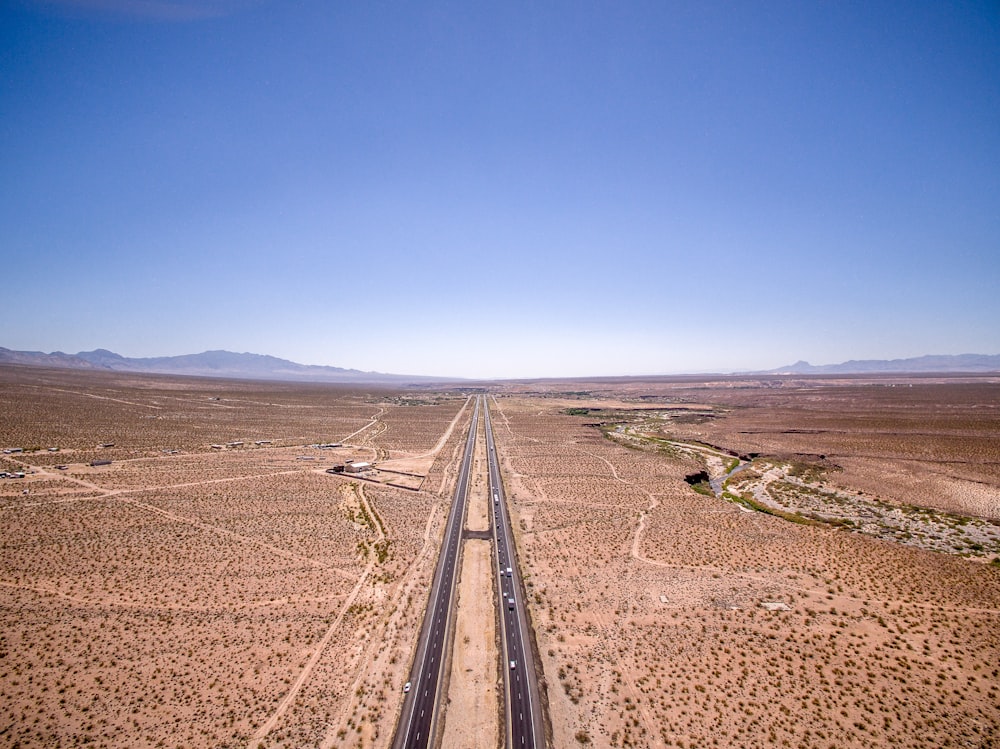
922,368
502,192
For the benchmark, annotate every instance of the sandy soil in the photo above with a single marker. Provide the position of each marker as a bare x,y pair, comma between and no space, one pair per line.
472,716
191,596
477,515
667,618
798,490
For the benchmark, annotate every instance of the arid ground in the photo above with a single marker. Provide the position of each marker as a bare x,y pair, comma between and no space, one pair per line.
191,595
213,585
668,616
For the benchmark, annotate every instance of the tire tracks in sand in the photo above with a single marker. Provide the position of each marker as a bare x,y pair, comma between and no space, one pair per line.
320,646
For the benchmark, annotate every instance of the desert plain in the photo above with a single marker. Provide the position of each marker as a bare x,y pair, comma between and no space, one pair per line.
745,562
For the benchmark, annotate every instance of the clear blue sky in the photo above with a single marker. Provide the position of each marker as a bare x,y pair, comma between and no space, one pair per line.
501,189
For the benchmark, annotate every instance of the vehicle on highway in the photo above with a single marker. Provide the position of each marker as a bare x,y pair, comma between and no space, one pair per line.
510,603
416,726
508,572
513,665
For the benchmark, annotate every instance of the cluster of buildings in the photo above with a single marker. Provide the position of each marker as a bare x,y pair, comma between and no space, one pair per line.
239,443
12,474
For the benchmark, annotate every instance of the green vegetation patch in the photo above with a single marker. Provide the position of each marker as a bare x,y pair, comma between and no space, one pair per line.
792,517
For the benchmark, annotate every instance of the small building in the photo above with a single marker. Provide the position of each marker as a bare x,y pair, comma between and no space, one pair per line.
100,462
357,466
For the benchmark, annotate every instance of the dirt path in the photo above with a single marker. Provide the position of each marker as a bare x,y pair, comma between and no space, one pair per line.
277,550
307,670
105,492
503,416
122,496
79,393
447,432
775,580
817,591
391,636
609,628
134,606
422,462
389,647
371,422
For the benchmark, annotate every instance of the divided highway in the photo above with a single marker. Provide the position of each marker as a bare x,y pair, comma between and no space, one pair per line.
523,708
418,718
525,728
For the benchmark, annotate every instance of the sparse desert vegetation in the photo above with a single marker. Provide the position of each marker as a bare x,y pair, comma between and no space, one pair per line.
799,491
671,618
182,595
185,595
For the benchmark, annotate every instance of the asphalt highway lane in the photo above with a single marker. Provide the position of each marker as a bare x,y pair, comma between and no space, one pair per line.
523,705
418,717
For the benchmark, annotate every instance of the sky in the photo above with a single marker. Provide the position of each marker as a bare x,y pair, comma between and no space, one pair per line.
516,189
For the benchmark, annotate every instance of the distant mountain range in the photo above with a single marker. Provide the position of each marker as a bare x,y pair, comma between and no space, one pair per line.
944,364
261,367
209,364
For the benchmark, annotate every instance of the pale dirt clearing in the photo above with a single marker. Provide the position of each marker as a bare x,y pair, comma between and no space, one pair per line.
472,714
477,516
421,464
919,484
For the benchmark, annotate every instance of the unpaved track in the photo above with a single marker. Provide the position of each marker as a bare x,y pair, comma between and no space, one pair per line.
371,422
122,495
307,670
377,656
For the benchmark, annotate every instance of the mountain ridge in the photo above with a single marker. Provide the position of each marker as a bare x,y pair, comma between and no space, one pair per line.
212,363
929,363
222,363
